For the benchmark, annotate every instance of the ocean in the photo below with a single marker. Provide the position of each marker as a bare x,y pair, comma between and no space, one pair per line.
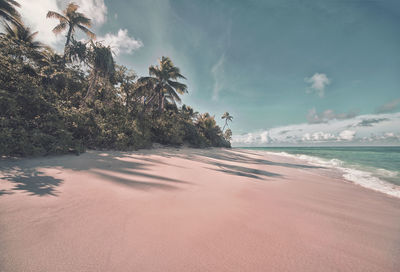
376,168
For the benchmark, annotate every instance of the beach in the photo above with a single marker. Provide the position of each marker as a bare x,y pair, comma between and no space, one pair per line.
183,209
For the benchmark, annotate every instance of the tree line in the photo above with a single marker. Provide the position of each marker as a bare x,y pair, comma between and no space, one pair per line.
53,103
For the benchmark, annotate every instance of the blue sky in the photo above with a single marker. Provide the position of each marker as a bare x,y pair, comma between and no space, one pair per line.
323,66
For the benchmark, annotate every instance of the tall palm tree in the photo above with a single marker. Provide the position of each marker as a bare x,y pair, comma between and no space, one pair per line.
101,62
71,19
8,11
22,34
227,118
163,78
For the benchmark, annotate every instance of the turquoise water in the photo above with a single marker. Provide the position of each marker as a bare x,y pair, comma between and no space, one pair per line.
378,164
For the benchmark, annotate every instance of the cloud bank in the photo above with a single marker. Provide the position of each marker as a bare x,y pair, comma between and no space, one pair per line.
359,130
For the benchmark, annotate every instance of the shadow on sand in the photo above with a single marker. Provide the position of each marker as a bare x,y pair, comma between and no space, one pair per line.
32,181
128,168
29,175
223,157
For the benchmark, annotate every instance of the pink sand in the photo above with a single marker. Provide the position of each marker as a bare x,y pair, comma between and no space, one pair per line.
190,210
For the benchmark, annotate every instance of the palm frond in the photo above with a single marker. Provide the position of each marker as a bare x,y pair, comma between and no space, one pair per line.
13,2
87,31
179,87
174,73
60,27
81,19
144,80
172,93
71,8
154,71
6,16
9,31
8,11
56,15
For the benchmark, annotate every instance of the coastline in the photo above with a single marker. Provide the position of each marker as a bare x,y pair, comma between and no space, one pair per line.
181,209
361,176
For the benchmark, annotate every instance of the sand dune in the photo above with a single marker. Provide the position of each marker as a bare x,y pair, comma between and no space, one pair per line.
190,210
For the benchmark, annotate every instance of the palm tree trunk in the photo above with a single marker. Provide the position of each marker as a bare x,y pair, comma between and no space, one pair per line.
91,86
150,100
226,123
68,36
160,102
67,42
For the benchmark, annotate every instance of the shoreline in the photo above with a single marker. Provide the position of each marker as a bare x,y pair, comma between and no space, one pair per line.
361,177
182,209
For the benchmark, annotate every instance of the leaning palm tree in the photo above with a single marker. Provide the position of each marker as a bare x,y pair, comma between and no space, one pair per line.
227,118
8,11
22,35
163,80
71,19
100,60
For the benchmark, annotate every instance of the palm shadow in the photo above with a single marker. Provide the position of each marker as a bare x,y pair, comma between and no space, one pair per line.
33,182
224,156
242,156
244,171
27,175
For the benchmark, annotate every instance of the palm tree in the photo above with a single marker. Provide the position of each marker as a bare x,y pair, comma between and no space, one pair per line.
22,34
163,80
8,11
102,64
227,118
188,112
70,19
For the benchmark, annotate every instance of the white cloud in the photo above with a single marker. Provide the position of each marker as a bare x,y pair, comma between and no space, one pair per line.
318,136
217,72
94,9
384,137
264,137
249,139
121,42
384,130
347,135
318,83
34,14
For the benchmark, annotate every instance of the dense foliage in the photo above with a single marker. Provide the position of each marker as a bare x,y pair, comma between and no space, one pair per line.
52,104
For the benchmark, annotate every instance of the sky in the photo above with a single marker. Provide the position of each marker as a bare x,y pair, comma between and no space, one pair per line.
290,72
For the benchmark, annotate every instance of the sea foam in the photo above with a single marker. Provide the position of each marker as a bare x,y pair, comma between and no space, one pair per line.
361,177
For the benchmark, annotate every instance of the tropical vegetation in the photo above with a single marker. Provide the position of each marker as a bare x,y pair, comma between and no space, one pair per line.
82,99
